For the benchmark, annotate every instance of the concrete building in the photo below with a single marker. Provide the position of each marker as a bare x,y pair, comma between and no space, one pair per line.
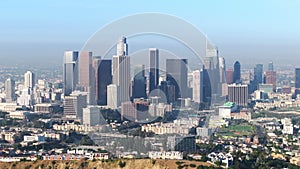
204,132
287,126
172,155
177,76
103,77
197,86
46,107
128,111
238,93
237,72
229,76
74,104
70,71
139,82
153,68
10,90
86,75
29,80
121,70
91,116
113,96
271,78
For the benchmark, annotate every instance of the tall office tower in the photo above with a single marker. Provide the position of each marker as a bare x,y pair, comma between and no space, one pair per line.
237,72
103,77
297,78
10,90
270,66
122,47
121,70
29,80
113,99
153,68
91,116
197,86
222,69
238,93
177,76
211,63
169,91
271,78
70,71
297,82
86,75
229,76
74,104
258,73
139,82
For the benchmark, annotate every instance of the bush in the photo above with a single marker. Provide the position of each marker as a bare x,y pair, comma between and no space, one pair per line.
179,162
122,164
193,165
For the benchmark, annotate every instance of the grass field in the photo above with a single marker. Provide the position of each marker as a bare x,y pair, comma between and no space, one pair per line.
237,130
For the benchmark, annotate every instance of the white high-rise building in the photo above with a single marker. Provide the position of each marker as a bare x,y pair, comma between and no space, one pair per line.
74,104
29,80
197,86
70,71
91,116
121,70
113,99
122,47
10,90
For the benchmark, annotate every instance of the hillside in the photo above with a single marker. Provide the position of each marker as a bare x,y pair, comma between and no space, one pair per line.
115,164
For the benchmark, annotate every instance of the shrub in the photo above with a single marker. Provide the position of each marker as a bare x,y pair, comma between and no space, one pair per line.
193,165
122,164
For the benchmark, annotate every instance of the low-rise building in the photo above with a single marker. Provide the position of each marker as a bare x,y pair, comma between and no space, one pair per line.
172,155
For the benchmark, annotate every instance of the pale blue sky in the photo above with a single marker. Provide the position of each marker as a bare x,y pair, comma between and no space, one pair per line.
267,30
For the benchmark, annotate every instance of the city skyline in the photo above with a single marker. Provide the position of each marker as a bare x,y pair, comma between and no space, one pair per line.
261,30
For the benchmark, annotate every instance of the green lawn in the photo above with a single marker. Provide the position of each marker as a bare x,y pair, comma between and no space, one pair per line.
237,130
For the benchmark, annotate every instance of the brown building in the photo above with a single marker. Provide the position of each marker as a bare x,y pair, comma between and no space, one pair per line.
271,78
229,76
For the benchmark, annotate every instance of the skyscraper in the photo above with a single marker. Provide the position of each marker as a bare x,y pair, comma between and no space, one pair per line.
237,72
198,86
122,47
29,80
222,69
229,76
212,74
139,82
297,83
271,78
10,90
70,71
86,74
103,77
258,73
270,66
113,99
297,78
207,89
238,94
177,76
153,69
121,70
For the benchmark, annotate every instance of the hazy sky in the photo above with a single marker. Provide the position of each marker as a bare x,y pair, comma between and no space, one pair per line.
39,31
